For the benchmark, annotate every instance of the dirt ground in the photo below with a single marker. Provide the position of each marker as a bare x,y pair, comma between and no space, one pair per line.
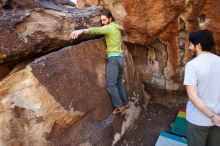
158,116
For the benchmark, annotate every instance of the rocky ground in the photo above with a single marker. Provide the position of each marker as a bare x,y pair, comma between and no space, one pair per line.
158,116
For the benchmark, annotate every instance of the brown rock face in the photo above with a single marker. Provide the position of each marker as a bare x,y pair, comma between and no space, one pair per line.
63,2
116,6
61,99
145,23
4,69
145,20
149,23
167,22
42,27
3,3
87,3
34,3
208,18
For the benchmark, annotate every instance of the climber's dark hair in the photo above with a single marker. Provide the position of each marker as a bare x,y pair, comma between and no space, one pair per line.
108,14
204,37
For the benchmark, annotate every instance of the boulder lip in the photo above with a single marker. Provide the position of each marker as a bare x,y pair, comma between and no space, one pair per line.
41,28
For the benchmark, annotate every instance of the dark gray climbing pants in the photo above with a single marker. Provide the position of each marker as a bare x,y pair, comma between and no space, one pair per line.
115,87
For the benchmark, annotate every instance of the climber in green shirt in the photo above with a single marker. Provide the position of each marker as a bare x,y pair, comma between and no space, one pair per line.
115,60
112,35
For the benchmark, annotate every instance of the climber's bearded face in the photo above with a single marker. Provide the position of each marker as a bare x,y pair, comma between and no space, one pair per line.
105,20
192,49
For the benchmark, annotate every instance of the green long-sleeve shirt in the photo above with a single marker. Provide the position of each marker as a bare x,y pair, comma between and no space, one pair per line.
112,33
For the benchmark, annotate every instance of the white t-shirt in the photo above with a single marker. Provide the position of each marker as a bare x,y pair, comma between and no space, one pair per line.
204,72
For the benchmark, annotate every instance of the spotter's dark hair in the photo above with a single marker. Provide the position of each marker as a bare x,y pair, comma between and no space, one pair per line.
204,38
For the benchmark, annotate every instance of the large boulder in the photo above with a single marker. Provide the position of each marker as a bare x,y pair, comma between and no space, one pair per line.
61,99
38,27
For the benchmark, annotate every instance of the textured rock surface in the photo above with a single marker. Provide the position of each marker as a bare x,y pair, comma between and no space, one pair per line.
41,27
28,111
63,2
4,70
68,86
87,3
151,21
116,6
34,3
145,20
168,22
61,99
201,14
